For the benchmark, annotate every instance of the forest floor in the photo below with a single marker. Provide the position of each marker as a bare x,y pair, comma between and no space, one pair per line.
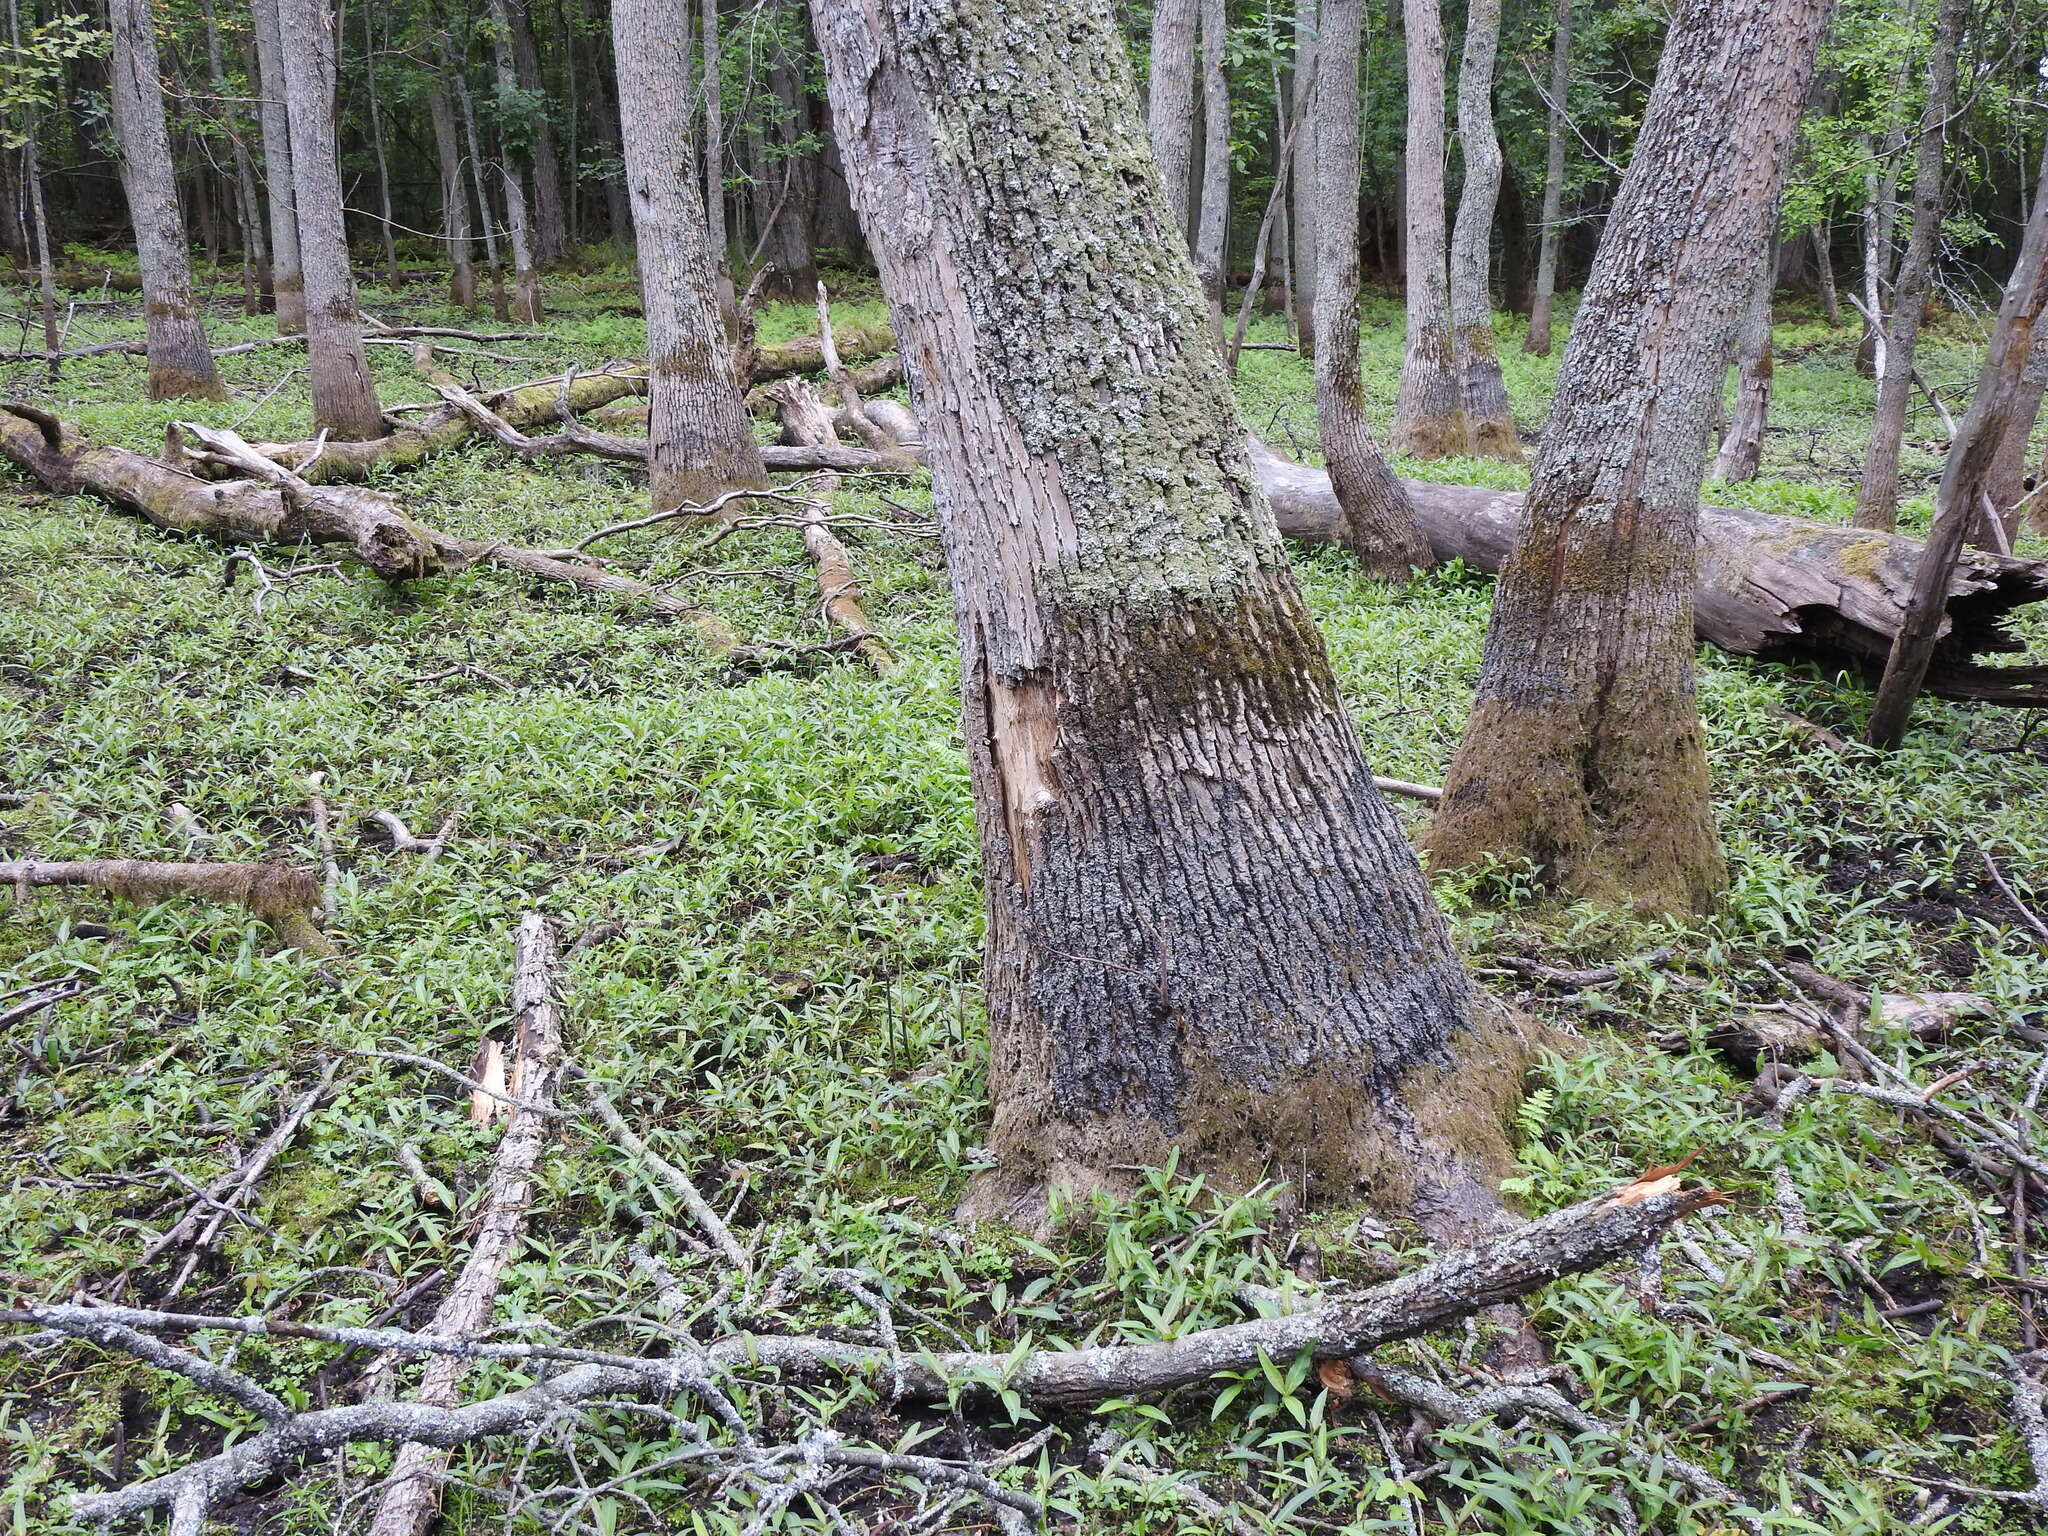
771,865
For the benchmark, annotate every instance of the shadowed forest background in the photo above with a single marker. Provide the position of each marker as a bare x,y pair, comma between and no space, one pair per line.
506,553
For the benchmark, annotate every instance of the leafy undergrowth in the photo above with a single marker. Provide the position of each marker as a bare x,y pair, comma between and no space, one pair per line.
771,866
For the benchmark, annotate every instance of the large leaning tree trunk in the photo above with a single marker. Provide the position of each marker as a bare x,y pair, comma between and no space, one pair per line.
1583,752
1742,445
1206,932
287,277
1877,496
1429,415
1382,525
1483,393
1170,103
700,440
180,361
1536,340
344,399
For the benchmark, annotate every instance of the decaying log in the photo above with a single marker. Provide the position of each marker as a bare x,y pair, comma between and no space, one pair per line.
571,439
1581,1238
282,896
412,1493
248,512
806,354
1779,588
839,593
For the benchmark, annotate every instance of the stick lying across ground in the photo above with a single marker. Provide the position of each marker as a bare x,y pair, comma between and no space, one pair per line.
1572,1241
284,897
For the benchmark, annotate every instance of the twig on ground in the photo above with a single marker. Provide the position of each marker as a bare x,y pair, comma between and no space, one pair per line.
323,844
680,1183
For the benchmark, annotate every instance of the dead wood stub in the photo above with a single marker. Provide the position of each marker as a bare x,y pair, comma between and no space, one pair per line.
282,895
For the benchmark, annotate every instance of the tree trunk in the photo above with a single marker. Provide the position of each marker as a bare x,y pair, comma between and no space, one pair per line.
454,196
526,305
700,441
714,153
1877,496
1429,416
256,250
2007,482
1306,178
1170,104
1962,498
1742,449
1382,525
1824,275
344,399
467,105
1583,752
1482,393
550,221
180,361
287,275
795,191
1212,230
384,224
1206,933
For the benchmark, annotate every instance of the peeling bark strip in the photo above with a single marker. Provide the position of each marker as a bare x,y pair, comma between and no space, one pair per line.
1206,929
284,897
1779,588
1573,1241
1583,753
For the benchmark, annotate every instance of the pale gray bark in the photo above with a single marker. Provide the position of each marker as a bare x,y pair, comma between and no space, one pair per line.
255,247
1742,446
1536,341
1489,423
526,303
1583,753
385,230
287,276
1429,415
700,440
1305,176
714,140
1877,496
1382,525
180,361
1170,103
344,399
454,195
1212,229
1206,930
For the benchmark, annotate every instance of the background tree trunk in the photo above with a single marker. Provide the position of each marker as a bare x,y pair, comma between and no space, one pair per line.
1742,448
2007,483
1583,752
1483,394
344,399
526,302
454,195
255,248
1212,232
180,361
386,232
789,245
1429,417
1206,931
714,149
1306,177
1877,497
1170,104
550,219
1376,510
287,278
700,440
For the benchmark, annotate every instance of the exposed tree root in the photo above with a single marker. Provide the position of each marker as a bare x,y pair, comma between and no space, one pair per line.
1571,1241
284,897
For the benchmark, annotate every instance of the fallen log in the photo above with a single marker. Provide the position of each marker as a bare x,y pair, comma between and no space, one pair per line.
249,512
1777,588
282,896
806,354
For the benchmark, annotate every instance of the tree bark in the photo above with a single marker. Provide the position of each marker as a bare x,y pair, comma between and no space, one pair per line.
454,195
526,303
180,361
700,442
1429,416
1306,178
344,399
1963,497
1206,931
714,151
287,276
1877,496
1583,753
1382,525
2007,483
1482,392
255,249
385,230
1742,448
1170,104
1212,230
550,220
1824,275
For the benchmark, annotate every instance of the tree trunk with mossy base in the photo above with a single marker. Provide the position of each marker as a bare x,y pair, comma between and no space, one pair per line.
1206,933
1583,752
1381,523
1429,415
700,441
1482,392
344,399
180,361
